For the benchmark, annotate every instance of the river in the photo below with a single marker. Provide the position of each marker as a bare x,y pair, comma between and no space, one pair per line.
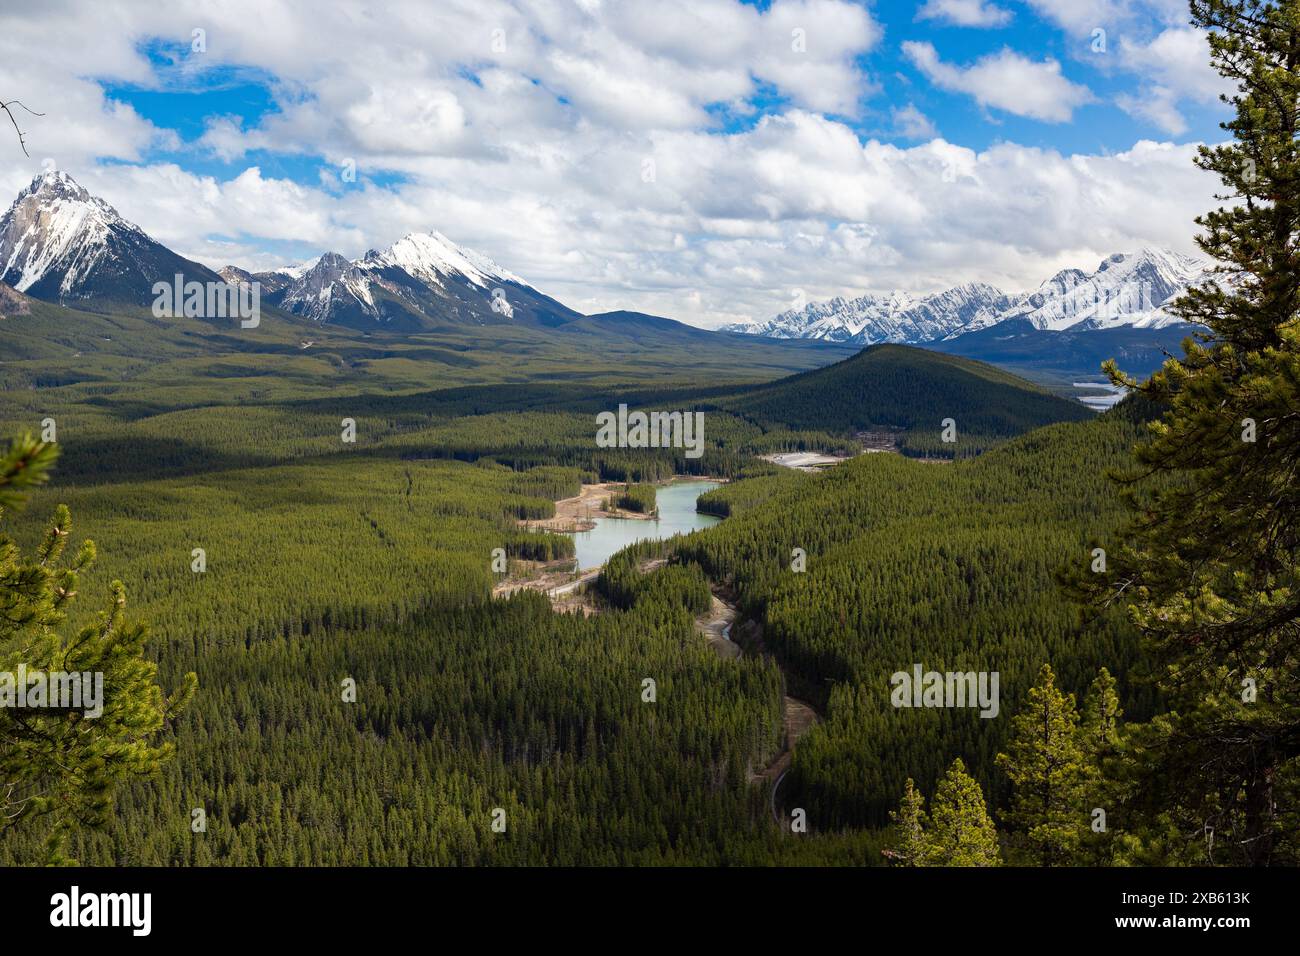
677,515
1102,395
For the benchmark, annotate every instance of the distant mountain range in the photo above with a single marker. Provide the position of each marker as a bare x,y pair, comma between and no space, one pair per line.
60,243
1126,290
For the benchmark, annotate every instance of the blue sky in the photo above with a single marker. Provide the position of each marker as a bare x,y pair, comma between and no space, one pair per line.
177,99
704,159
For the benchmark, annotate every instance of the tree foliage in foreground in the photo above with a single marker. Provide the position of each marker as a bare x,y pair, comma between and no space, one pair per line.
1210,566
1045,764
61,764
957,831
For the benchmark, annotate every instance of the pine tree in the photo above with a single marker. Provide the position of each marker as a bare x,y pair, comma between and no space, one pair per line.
911,846
62,765
961,832
1099,725
1045,764
1106,780
1208,570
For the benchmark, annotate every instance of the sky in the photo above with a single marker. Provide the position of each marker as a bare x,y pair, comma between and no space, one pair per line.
712,161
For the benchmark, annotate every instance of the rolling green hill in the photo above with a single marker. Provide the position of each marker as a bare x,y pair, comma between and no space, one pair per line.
912,390
175,361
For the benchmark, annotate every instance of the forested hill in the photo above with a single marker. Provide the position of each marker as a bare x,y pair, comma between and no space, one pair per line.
910,389
287,357
952,567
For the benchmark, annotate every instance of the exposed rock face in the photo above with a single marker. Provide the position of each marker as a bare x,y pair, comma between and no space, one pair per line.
1125,290
59,243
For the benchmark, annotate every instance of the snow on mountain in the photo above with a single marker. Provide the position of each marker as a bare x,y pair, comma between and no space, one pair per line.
896,318
59,242
431,256
1126,290
54,220
422,280
270,282
332,283
298,271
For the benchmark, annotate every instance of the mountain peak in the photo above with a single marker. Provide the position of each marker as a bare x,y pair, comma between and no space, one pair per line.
1153,256
57,241
329,262
423,280
1127,288
56,182
235,275
897,317
1068,278
432,257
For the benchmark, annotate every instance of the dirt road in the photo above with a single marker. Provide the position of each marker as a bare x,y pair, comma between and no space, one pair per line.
797,717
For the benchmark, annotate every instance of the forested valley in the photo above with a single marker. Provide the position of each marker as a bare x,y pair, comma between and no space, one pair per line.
363,699
299,587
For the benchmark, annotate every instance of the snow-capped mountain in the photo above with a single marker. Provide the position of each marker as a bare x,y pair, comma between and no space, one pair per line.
58,242
871,319
423,280
1125,290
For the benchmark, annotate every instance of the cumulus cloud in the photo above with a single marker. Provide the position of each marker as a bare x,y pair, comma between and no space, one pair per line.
584,146
1080,17
1175,67
965,13
1005,80
911,123
1179,58
1158,105
1152,41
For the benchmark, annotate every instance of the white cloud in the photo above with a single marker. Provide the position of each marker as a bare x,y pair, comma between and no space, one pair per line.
1151,40
911,123
225,137
1080,17
731,225
397,119
1005,80
533,149
1179,59
1157,105
1175,66
965,13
